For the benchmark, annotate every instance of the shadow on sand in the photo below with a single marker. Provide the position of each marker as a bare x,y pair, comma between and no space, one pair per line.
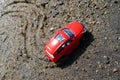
84,43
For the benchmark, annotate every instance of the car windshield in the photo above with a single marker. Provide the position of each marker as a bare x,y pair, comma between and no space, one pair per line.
59,37
68,32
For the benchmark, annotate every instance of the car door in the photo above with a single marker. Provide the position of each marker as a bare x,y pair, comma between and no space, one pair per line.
69,47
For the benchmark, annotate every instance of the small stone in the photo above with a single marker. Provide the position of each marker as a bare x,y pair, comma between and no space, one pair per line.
115,49
51,29
90,65
91,0
115,70
104,57
116,62
24,55
76,68
44,70
118,38
92,22
52,66
105,6
105,12
19,53
4,37
44,3
55,12
87,16
1,64
107,62
107,59
96,71
100,66
83,69
98,62
105,38
60,3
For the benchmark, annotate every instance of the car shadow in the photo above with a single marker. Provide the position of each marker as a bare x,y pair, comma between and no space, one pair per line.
85,41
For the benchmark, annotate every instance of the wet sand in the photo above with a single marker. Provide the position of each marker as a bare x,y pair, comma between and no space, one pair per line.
25,27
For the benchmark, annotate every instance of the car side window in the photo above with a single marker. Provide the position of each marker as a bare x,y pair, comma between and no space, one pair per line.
67,43
60,49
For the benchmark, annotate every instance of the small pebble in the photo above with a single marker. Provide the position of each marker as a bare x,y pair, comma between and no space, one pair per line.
107,59
77,68
96,71
105,6
83,69
60,3
90,65
51,29
55,12
24,55
105,38
98,62
104,57
115,49
115,70
1,65
92,22
116,62
43,70
52,66
118,38
100,66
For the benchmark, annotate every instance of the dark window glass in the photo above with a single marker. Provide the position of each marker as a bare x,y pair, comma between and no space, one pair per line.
59,37
60,49
63,46
68,32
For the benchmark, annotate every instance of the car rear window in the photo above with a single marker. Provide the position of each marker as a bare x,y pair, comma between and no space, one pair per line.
68,32
59,37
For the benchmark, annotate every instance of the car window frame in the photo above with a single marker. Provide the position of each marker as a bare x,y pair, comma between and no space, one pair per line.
63,46
67,33
61,36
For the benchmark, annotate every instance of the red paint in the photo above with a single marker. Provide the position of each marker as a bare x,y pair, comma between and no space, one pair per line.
55,49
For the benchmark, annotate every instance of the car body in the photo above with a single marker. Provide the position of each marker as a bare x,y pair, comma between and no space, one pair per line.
64,41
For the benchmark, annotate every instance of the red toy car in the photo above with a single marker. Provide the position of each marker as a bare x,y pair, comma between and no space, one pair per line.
64,41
